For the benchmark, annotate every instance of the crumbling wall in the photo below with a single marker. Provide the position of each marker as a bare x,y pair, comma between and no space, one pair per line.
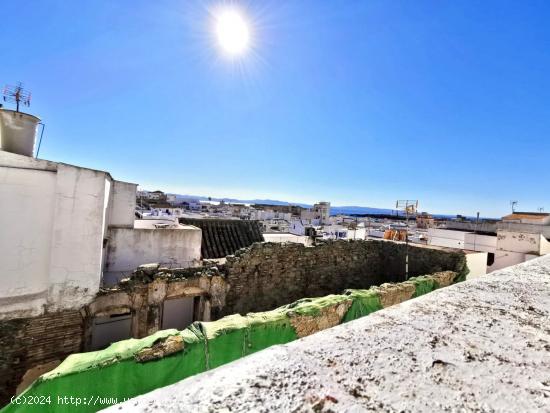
262,277
269,275
30,342
144,294
169,356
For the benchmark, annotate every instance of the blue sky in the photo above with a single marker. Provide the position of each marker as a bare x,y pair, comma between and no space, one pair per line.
356,102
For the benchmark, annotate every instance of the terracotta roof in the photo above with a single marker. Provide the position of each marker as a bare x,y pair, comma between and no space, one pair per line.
223,237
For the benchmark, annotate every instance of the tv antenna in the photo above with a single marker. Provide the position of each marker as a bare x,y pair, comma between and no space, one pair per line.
18,95
409,206
513,204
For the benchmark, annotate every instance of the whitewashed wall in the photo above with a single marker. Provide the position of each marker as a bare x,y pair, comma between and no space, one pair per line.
518,242
478,242
77,238
477,264
27,204
287,237
53,220
129,248
505,259
446,238
544,246
123,204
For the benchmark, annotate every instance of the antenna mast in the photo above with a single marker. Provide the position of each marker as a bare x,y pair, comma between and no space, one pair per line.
18,95
409,206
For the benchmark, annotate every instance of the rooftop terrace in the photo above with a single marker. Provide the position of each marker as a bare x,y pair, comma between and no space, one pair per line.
479,345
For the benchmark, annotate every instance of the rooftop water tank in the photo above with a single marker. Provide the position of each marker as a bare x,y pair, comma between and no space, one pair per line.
18,132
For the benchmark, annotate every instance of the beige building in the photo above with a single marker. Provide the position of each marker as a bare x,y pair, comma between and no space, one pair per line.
321,211
425,221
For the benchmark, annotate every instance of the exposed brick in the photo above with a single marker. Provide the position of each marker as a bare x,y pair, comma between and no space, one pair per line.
29,342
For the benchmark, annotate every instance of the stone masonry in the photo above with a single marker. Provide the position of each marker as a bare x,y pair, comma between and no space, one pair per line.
266,276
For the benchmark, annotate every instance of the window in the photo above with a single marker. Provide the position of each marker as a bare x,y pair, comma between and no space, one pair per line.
110,329
178,313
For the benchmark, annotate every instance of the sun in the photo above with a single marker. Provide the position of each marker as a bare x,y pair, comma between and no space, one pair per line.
232,32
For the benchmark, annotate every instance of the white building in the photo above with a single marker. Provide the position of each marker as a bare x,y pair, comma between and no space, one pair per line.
347,232
297,227
151,195
318,215
268,214
61,224
519,237
287,237
55,220
152,239
322,212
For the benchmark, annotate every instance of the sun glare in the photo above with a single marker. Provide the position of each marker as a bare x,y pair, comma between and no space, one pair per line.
232,32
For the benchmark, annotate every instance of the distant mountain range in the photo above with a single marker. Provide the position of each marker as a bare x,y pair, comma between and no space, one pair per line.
241,201
334,210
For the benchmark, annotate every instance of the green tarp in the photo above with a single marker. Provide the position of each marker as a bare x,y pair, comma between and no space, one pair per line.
364,302
98,379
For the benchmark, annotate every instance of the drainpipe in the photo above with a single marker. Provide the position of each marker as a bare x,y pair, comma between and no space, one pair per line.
40,140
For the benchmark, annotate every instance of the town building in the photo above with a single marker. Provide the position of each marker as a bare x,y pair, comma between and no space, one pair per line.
425,221
518,237
81,272
321,212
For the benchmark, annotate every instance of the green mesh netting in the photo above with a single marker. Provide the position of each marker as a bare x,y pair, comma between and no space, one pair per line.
267,329
364,303
423,285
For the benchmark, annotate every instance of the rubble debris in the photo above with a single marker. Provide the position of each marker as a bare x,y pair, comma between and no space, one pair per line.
327,317
391,294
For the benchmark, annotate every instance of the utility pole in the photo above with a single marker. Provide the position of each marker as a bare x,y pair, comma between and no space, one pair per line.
475,231
368,227
410,207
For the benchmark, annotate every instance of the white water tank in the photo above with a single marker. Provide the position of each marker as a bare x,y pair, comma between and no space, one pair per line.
18,132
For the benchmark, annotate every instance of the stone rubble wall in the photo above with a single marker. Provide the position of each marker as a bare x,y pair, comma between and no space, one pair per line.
268,275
